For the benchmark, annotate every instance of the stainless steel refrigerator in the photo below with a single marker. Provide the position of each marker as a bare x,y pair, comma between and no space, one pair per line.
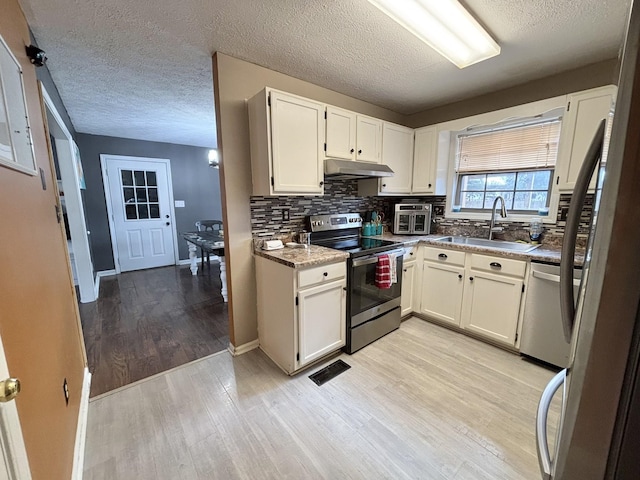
599,431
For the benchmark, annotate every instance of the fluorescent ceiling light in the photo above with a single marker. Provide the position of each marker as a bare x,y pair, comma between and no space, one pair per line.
445,26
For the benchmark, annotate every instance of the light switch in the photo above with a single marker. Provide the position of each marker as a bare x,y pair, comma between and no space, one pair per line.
179,203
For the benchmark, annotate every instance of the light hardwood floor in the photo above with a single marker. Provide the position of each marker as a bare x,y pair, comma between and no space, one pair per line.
421,403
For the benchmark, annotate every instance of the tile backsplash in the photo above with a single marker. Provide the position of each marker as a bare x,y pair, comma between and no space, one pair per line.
267,217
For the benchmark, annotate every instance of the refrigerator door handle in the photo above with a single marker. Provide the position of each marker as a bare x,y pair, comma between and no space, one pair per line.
542,443
567,300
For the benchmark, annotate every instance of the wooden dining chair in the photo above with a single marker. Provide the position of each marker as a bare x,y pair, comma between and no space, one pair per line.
203,226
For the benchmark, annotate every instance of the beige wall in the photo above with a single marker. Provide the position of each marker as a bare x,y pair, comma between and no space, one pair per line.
235,82
590,76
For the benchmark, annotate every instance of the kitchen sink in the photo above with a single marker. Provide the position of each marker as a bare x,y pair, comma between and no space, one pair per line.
483,242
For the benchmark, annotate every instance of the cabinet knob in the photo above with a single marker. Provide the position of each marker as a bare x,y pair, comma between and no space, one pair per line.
443,256
359,152
495,265
384,185
460,276
352,150
325,274
471,279
429,185
321,183
410,253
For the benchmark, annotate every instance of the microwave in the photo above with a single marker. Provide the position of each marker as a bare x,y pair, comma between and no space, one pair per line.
412,218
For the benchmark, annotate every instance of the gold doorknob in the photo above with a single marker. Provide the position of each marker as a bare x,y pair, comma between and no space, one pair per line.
9,389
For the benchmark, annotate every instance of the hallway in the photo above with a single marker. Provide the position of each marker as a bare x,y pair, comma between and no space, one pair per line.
149,321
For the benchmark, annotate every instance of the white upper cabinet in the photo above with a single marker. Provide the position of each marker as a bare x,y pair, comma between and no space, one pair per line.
425,160
397,153
368,139
585,110
341,133
287,144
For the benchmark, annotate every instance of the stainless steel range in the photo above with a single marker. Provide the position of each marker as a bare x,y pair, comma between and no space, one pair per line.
372,312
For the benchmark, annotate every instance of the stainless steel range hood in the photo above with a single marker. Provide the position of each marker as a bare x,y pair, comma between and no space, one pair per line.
349,169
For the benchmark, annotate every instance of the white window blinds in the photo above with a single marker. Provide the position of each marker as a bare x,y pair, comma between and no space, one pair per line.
510,148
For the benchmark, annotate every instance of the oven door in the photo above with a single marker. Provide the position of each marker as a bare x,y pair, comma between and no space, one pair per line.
365,299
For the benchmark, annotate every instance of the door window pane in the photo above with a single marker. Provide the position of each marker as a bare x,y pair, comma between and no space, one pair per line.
143,211
151,179
128,195
154,210
153,194
127,177
139,176
141,195
131,212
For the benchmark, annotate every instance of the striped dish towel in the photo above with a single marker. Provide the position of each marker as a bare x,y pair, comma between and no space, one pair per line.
383,272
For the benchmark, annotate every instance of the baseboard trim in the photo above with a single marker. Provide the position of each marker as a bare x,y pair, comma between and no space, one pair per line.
81,430
247,347
99,275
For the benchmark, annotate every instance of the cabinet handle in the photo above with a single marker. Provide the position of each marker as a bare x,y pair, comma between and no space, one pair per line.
359,152
460,276
321,183
352,150
471,279
495,265
325,274
443,256
344,288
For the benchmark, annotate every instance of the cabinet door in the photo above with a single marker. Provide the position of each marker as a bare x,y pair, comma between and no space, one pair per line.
408,284
586,110
368,139
441,293
341,133
397,153
491,306
425,160
297,144
321,320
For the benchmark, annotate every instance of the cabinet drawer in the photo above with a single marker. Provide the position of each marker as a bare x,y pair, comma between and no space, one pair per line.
506,266
410,253
443,255
321,274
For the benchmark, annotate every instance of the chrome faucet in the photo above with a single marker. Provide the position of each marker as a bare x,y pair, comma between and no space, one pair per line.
503,214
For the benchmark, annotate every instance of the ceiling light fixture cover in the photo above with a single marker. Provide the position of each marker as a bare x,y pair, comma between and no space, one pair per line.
214,158
445,26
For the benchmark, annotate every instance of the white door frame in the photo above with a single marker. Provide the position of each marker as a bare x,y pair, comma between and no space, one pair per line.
104,157
15,464
73,202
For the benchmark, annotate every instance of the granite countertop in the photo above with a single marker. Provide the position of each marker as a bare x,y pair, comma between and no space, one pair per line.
303,257
544,253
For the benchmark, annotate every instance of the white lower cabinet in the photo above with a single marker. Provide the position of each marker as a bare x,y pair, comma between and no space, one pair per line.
407,300
478,293
301,312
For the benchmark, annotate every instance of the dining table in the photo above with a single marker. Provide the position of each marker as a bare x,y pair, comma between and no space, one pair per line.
210,242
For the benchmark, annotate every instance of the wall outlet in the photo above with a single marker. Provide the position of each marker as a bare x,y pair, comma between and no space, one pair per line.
438,210
285,214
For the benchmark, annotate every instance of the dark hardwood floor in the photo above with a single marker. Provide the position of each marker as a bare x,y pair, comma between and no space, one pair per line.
150,321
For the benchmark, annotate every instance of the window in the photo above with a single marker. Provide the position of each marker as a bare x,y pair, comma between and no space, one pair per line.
514,160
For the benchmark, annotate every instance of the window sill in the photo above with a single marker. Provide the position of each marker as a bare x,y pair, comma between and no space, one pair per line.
516,217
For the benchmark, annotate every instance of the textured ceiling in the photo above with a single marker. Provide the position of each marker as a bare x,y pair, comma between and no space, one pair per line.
142,69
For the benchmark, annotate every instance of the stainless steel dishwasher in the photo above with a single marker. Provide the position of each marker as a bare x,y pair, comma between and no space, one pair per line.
542,334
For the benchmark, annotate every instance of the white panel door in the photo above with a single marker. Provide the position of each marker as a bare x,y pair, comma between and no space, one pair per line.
321,320
368,139
297,143
408,284
425,160
341,133
141,213
397,153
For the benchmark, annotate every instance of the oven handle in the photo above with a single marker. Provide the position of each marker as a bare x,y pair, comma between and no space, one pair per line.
374,258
